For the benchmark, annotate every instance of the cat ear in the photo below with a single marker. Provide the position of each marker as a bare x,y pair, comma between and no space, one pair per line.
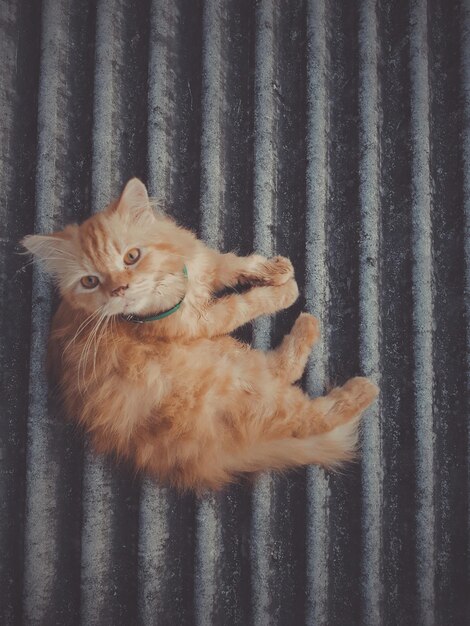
134,199
55,250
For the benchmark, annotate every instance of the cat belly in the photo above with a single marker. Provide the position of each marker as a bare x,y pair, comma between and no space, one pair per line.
215,390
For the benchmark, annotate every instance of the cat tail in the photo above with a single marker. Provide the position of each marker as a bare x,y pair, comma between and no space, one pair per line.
331,450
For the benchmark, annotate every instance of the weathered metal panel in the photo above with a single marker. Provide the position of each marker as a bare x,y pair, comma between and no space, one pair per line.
336,133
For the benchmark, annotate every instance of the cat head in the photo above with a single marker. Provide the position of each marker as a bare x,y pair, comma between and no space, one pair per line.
126,259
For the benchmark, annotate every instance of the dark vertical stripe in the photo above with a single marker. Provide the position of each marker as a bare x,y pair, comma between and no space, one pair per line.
465,78
18,116
166,524
343,318
110,494
399,563
51,545
449,360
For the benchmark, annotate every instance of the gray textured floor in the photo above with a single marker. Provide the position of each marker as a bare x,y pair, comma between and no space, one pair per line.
337,133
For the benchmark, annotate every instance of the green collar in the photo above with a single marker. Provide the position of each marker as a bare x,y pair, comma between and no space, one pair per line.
137,319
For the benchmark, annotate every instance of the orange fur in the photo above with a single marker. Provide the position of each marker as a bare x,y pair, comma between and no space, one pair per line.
179,397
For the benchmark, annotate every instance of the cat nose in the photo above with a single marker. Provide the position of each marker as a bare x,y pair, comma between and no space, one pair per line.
119,291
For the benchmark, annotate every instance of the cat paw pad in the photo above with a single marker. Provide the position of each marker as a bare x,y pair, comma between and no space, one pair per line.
362,390
289,292
278,270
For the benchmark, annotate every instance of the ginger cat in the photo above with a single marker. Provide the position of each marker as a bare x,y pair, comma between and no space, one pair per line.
144,360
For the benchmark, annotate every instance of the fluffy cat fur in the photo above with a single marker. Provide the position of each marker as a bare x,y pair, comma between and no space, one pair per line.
179,397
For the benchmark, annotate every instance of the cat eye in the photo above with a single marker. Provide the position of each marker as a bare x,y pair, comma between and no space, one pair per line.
90,282
132,256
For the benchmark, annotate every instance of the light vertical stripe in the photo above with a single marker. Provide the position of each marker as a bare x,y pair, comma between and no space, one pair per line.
265,154
154,555
213,105
161,99
154,529
371,572
106,176
208,555
97,539
43,471
265,144
260,539
422,310
208,521
316,293
98,491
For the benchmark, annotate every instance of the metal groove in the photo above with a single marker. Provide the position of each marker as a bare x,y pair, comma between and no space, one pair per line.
213,109
316,294
154,506
214,106
422,313
18,129
372,473
98,484
263,200
45,503
109,499
343,314
465,48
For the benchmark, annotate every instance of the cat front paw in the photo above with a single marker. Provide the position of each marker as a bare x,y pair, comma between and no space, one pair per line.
277,271
288,293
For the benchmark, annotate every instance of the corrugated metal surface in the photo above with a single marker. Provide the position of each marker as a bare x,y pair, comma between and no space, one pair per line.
337,133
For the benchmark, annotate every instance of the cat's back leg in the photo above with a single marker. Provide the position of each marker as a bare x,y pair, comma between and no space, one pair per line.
298,415
304,430
289,359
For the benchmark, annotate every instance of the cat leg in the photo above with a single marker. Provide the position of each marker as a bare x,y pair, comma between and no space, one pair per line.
303,431
329,449
289,359
226,314
231,270
297,415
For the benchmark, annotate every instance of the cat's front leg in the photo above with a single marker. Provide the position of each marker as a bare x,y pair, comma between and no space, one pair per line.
231,270
228,313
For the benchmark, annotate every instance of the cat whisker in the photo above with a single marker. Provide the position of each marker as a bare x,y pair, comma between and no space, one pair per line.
114,335
98,340
86,350
81,362
23,267
31,261
82,327
59,251
94,342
